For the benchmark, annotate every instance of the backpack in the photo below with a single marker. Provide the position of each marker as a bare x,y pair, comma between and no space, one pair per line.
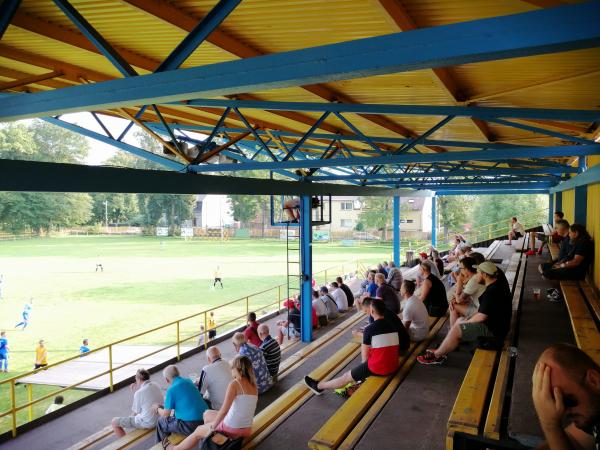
218,441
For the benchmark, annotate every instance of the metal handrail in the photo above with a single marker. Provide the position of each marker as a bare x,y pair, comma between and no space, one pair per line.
111,369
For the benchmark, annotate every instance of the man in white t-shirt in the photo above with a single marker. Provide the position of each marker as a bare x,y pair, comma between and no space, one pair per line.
147,393
320,309
215,378
339,297
517,231
414,314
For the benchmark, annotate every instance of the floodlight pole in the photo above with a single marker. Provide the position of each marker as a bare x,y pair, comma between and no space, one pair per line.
396,222
306,268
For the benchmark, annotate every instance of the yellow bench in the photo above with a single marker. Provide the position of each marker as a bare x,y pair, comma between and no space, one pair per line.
173,439
93,439
583,323
346,419
129,440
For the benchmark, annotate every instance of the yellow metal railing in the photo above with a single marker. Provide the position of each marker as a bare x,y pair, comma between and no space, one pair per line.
177,324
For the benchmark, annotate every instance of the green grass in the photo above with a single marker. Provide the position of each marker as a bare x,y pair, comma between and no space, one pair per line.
146,282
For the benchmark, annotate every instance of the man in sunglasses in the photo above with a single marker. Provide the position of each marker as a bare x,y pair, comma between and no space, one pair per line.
566,385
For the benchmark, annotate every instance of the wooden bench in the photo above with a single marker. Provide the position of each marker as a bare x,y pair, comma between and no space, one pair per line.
93,439
487,377
129,440
346,419
173,439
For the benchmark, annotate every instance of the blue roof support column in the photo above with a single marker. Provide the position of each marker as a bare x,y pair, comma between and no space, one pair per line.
396,223
434,221
581,164
558,199
551,208
581,204
306,268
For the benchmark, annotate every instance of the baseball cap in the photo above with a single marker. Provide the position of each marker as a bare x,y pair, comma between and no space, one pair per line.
487,267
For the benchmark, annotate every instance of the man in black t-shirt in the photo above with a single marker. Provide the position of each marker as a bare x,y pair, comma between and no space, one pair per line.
566,385
347,291
579,254
492,320
387,293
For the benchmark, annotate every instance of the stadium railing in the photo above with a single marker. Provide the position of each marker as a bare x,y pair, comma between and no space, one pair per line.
244,304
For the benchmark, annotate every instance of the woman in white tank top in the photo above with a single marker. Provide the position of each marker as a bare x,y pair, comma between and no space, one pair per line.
234,419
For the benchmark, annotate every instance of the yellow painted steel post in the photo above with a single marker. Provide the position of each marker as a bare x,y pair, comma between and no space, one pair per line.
13,405
110,368
178,349
29,400
205,330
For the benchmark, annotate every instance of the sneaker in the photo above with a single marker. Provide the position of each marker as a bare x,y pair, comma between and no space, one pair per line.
428,358
554,299
540,269
312,385
552,291
530,253
346,391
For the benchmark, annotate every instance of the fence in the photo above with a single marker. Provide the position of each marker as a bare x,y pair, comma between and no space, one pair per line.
186,330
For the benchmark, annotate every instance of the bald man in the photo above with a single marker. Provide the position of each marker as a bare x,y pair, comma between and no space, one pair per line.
215,378
566,385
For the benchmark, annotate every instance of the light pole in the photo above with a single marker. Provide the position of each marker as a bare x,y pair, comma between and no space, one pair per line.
106,214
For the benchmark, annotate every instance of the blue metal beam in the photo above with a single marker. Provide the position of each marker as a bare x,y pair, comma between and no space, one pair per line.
96,38
306,268
478,191
543,31
590,176
396,222
7,12
521,126
434,221
483,155
480,112
197,36
306,135
550,208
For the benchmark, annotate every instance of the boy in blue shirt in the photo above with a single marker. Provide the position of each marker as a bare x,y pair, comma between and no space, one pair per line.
3,352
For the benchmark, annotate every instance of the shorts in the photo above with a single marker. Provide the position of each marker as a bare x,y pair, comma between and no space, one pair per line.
471,331
323,321
292,332
3,356
471,310
361,372
417,335
212,333
129,423
517,235
233,433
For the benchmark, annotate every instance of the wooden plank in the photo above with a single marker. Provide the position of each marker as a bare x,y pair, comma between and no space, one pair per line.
491,429
592,298
92,439
129,439
467,413
582,321
574,300
173,439
365,422
335,430
554,249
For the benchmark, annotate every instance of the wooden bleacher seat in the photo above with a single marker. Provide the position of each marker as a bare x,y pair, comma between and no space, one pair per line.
173,439
93,439
346,419
129,440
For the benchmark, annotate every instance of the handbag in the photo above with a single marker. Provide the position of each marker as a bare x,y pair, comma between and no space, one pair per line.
218,441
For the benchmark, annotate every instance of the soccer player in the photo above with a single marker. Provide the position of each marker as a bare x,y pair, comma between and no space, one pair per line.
217,278
3,352
25,314
84,347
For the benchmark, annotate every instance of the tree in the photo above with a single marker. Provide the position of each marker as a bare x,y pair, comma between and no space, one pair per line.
454,212
377,213
245,207
120,208
491,209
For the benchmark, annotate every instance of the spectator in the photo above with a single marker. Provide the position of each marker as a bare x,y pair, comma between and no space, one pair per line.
56,405
339,297
394,278
212,326
387,294
271,350
403,337
555,237
214,378
330,305
372,286
381,270
439,263
261,371
414,314
3,352
84,347
566,388
41,355
251,331
465,300
364,284
477,257
492,320
319,308
379,353
433,293
344,287
579,253
517,231
184,400
291,327
146,395
235,418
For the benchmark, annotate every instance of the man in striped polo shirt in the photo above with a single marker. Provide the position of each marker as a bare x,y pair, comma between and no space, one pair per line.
379,353
270,349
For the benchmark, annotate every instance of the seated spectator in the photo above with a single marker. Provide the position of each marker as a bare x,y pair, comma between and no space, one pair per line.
379,353
579,253
492,320
184,400
344,287
439,263
517,231
566,390
465,299
414,313
433,293
403,337
386,267
541,236
146,394
330,305
387,293
320,309
214,378
234,419
339,297
261,371
452,253
251,332
394,278
381,270
372,286
271,350
364,283
477,257
56,405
